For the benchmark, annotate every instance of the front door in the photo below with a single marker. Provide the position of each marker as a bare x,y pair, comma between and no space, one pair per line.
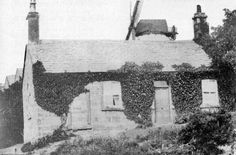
162,106
81,112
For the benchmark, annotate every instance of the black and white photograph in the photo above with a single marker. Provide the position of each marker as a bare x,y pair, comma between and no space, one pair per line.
117,77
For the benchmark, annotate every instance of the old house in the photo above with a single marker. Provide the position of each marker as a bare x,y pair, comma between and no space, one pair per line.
10,79
101,107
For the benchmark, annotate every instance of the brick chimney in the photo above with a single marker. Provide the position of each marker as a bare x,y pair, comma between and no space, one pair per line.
200,25
33,24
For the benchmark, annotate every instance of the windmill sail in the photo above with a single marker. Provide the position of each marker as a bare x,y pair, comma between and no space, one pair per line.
135,17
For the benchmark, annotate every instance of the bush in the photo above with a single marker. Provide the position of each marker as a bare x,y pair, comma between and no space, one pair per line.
57,135
183,118
27,147
206,131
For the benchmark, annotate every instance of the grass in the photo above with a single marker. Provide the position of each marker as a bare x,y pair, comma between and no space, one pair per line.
138,141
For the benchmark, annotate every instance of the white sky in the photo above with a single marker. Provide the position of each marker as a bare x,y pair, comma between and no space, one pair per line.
92,19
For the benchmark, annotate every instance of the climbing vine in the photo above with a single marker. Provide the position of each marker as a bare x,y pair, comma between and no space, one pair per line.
54,92
138,95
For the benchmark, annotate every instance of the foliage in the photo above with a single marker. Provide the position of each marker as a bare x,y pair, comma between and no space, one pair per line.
183,118
98,146
186,67
55,92
221,42
138,96
158,142
138,91
206,131
12,112
58,135
146,67
183,67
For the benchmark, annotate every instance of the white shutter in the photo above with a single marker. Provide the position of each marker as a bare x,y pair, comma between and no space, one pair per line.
112,94
210,97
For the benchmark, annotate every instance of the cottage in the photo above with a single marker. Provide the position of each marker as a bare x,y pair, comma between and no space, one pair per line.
100,107
10,79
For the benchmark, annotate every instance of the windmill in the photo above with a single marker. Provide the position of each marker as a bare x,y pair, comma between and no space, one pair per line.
134,17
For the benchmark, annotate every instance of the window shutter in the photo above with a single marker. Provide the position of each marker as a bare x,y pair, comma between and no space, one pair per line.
210,97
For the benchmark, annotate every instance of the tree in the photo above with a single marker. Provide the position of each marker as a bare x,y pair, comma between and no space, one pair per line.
12,112
221,44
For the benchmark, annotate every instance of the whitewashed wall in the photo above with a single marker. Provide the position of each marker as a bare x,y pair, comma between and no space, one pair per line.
37,122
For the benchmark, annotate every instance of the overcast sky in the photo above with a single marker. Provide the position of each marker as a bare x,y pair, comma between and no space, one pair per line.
92,19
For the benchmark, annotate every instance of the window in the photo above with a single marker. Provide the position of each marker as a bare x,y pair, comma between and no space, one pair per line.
116,100
210,97
112,95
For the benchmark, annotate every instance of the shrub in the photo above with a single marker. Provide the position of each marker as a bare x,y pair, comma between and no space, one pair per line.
183,118
206,131
27,147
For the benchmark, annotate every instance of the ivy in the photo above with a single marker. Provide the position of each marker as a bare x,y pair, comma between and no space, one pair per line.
138,95
183,67
54,92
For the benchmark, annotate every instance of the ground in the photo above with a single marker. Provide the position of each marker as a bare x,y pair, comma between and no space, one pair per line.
132,134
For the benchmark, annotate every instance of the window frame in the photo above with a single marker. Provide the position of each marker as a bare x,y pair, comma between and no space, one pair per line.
206,103
111,106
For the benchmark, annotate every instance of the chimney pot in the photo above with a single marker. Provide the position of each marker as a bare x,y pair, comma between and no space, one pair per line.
200,24
199,9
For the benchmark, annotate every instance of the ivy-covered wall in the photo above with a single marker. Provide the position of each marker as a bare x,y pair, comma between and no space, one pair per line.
54,92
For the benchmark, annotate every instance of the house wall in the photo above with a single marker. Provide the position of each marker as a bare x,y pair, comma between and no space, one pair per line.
86,112
90,108
106,120
37,122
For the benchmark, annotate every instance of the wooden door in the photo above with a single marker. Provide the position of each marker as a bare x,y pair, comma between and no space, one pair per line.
162,106
81,112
